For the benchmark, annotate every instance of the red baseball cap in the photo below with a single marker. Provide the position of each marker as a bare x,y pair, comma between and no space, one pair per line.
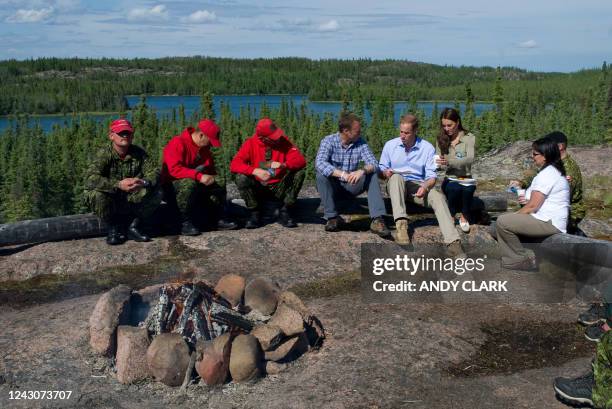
266,127
120,125
210,129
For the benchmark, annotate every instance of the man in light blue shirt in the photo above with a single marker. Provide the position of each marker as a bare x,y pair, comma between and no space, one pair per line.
408,163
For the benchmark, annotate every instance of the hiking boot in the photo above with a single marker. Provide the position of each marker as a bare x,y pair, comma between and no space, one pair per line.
455,249
114,236
401,232
577,391
188,229
596,314
528,264
379,227
133,233
224,224
285,218
595,332
253,221
333,224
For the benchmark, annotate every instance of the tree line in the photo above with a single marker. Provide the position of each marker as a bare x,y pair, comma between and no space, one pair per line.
66,85
42,174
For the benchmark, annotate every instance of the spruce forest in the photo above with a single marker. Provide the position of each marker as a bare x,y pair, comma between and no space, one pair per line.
41,174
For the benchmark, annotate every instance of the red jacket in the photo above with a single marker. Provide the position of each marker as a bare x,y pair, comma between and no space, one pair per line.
253,152
182,156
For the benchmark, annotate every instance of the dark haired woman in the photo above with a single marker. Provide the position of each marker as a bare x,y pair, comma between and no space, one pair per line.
455,147
545,212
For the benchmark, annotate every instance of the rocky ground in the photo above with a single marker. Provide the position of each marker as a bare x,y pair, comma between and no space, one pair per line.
375,355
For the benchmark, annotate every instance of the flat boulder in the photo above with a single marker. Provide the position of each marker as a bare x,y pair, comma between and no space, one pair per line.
288,320
231,287
291,300
111,310
132,345
290,349
269,336
261,295
246,358
168,358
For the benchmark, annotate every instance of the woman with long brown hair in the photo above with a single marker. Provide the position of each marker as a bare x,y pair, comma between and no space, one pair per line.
455,147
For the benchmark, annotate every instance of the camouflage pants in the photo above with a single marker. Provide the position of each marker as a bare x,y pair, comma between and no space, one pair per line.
191,200
112,206
287,189
602,369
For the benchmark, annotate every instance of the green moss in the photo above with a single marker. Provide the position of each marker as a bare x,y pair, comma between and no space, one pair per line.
346,283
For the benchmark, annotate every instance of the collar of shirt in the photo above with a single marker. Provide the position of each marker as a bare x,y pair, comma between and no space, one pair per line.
350,145
416,146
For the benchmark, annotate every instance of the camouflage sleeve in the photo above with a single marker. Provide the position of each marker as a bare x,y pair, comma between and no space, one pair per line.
97,176
150,170
578,209
602,370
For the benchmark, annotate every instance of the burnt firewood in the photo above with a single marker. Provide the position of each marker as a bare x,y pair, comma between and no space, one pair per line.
232,318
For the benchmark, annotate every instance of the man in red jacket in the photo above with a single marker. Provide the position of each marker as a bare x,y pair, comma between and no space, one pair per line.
269,166
188,178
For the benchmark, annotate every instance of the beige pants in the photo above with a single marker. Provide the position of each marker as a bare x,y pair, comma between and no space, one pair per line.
400,191
509,225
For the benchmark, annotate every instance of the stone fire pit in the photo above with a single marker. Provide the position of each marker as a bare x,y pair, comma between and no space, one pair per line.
232,331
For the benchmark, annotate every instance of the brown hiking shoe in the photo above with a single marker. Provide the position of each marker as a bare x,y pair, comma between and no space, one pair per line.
379,227
455,250
401,232
333,224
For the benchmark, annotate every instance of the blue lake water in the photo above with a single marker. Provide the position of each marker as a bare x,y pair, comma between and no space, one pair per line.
164,106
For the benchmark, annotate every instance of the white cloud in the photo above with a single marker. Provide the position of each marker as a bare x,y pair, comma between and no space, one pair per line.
201,16
528,44
157,13
31,15
331,25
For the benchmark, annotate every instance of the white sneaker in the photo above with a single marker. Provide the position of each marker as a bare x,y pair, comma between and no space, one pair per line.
465,226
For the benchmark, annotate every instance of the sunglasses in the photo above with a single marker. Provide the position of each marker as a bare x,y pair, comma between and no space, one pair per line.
124,134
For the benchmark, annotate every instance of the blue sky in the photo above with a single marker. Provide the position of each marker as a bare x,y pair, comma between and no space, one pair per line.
541,35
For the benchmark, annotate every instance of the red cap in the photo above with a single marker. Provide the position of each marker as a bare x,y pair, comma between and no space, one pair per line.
265,127
210,129
120,125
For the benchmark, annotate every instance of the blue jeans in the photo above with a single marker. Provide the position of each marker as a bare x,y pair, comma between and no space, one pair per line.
459,198
330,188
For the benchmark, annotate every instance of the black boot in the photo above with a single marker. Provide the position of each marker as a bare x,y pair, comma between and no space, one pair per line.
133,232
285,217
225,224
253,221
188,229
114,236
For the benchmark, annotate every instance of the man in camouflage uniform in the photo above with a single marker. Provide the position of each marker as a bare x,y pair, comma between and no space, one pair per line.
121,184
574,177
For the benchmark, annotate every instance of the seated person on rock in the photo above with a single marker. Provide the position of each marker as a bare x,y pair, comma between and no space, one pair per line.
574,177
456,147
188,179
408,163
338,174
545,212
121,185
269,166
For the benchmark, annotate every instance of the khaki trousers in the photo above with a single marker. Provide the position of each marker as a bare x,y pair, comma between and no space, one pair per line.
400,191
510,225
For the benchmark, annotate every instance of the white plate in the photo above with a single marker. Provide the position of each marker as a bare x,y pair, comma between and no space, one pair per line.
402,171
466,181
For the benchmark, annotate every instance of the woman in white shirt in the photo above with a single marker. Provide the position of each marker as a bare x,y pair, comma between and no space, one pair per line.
545,212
